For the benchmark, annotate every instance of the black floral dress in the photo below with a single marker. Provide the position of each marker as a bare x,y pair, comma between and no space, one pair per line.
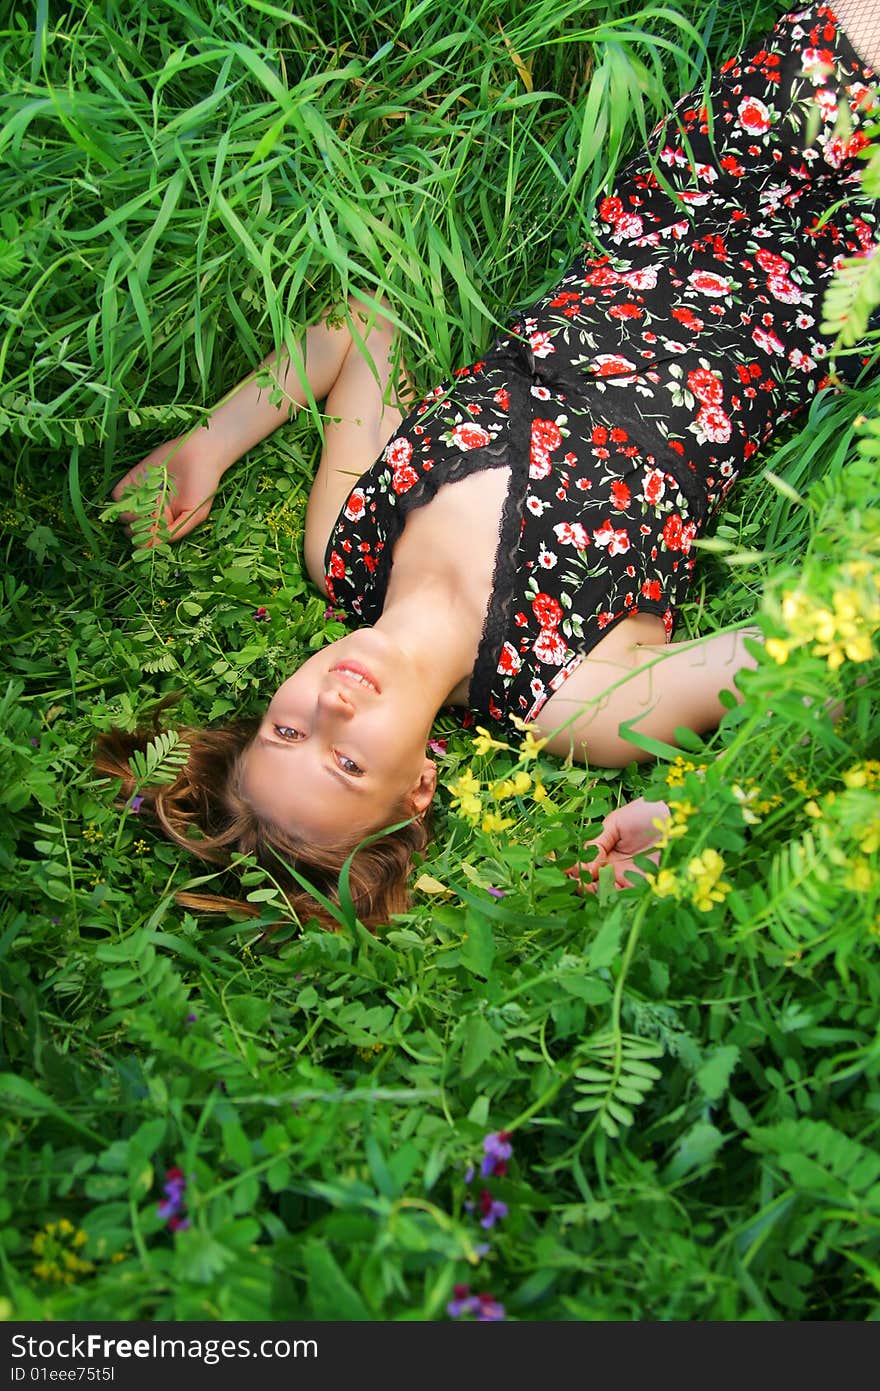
626,401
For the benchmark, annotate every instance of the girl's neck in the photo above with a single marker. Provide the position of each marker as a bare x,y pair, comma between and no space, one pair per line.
429,622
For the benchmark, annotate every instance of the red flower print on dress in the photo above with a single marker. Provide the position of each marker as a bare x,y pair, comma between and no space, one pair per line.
509,661
502,398
784,290
572,534
772,263
613,365
801,361
672,532
644,278
706,282
712,424
601,276
706,386
550,647
651,589
767,340
546,434
547,611
754,116
617,541
539,463
817,64
627,228
355,506
620,494
653,486
398,451
337,566
468,436
403,478
687,319
541,344
611,209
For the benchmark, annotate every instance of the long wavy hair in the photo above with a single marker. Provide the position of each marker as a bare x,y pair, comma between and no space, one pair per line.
203,811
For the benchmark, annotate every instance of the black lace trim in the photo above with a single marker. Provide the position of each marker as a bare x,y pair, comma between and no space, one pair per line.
497,621
450,469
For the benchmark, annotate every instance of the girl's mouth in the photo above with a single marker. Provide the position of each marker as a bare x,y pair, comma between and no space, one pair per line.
358,674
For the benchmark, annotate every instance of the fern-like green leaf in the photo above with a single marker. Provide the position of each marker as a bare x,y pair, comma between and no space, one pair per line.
161,761
616,1077
164,662
852,294
823,1162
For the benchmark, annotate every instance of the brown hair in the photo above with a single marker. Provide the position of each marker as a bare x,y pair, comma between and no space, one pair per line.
203,811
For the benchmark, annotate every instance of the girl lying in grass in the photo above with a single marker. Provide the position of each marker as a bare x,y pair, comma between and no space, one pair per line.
518,543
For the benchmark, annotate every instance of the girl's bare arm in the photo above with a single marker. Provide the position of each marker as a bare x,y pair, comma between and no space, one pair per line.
660,687
332,354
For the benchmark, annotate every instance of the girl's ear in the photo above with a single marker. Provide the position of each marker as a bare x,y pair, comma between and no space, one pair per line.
421,796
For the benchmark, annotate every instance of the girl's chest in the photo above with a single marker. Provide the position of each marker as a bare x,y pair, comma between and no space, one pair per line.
456,534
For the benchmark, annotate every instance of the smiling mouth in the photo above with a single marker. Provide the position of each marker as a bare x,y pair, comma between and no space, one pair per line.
358,675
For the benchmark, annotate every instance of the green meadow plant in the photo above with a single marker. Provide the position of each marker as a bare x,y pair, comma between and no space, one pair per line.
513,1101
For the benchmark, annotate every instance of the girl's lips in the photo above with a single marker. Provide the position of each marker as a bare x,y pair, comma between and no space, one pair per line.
361,674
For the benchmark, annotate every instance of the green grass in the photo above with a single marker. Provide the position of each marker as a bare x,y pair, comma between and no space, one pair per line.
692,1093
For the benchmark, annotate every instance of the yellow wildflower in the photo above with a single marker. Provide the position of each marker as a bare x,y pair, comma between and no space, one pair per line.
860,877
859,648
708,887
484,741
530,746
492,822
777,649
866,774
674,825
513,786
795,609
470,807
464,785
675,774
539,792
665,884
465,791
813,809
57,1246
869,838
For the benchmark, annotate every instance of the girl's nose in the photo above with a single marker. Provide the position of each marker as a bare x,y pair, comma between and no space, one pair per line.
335,701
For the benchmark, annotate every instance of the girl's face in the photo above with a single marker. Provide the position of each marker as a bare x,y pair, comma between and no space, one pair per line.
340,752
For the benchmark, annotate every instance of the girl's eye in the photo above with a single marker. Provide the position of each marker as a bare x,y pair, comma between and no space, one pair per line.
349,766
287,731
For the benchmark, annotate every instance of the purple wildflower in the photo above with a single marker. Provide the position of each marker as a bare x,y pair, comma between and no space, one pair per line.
261,614
496,893
437,746
484,1307
191,1017
469,1174
172,1204
135,804
331,612
491,1209
35,743
498,1150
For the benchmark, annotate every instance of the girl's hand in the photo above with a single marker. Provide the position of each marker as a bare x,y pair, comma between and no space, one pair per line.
626,832
193,471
